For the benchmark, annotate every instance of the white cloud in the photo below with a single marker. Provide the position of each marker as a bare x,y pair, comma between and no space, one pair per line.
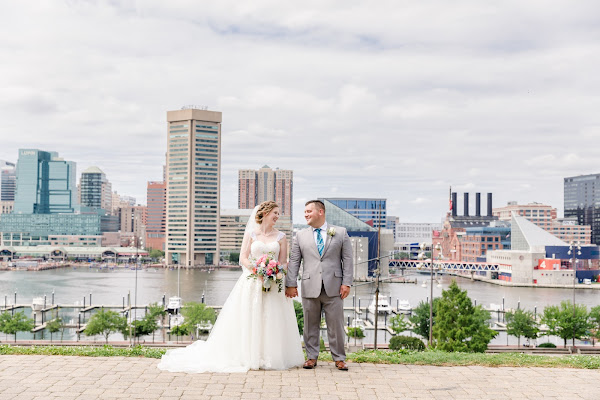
386,99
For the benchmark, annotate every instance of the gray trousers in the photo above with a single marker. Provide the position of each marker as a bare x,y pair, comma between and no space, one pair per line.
334,317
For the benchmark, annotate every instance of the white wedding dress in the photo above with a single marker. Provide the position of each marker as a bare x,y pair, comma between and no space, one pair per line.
254,330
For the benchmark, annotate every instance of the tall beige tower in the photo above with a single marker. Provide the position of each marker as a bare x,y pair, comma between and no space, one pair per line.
193,174
256,186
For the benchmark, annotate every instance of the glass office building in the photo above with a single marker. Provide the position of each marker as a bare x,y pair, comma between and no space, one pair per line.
95,189
8,181
46,184
36,229
582,200
371,211
45,202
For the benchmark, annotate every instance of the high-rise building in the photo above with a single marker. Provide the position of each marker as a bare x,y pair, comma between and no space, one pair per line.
371,211
95,189
46,184
582,201
8,181
193,186
266,184
157,212
132,219
233,225
247,193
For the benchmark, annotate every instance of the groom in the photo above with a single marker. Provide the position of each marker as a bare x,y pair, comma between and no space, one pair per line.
326,278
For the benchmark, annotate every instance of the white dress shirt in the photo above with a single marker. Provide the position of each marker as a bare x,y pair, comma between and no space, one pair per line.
323,235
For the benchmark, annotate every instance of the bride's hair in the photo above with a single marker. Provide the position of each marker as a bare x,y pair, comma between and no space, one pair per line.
263,209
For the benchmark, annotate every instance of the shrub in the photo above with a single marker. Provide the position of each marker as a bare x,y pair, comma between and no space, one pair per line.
406,342
356,332
547,344
322,345
299,316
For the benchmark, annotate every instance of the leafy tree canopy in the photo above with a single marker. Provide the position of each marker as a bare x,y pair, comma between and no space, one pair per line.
460,326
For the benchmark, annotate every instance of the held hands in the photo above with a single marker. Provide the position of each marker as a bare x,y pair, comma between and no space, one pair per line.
344,291
292,292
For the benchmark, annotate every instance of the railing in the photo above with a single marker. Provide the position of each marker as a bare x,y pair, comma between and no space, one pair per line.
447,265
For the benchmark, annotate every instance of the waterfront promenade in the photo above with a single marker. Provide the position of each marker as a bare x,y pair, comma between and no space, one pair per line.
62,377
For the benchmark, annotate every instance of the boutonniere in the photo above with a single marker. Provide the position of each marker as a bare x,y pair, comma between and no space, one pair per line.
331,232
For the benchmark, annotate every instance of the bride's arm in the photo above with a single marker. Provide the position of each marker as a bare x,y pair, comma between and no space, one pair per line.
245,252
283,252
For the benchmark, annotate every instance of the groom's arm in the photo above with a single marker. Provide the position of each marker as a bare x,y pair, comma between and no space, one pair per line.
347,261
291,279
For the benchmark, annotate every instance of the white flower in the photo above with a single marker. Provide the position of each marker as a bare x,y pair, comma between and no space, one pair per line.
331,232
279,275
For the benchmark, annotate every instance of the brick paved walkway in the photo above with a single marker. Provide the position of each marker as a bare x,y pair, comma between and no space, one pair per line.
44,377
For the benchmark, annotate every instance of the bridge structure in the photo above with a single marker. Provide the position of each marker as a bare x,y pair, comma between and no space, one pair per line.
444,265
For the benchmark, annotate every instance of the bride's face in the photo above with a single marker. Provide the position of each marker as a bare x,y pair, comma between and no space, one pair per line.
272,217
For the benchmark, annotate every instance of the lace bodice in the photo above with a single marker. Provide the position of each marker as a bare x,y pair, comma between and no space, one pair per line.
259,248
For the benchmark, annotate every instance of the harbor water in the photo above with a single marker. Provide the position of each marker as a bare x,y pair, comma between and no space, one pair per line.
112,286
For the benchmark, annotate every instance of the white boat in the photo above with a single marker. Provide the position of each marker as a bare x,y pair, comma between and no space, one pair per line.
174,305
404,306
37,304
203,327
382,305
358,323
176,320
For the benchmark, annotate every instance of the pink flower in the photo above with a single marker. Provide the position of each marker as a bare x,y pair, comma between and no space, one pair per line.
272,263
279,275
270,271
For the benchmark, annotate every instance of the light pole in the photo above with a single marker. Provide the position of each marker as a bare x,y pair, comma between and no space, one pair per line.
136,242
421,256
574,246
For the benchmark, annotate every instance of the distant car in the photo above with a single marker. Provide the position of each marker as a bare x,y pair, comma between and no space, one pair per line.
587,281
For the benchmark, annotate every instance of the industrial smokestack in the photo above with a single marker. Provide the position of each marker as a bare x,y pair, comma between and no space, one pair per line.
466,204
478,204
454,205
489,205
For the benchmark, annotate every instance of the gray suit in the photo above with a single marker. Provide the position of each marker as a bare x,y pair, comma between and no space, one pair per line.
322,277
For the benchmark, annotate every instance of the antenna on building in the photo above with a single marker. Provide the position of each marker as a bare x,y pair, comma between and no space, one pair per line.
194,107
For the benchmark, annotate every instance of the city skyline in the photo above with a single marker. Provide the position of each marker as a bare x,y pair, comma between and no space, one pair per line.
484,98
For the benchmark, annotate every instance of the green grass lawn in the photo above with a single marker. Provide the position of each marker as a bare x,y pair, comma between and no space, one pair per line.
434,357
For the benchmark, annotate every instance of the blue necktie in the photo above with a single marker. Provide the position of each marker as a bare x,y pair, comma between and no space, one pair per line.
320,244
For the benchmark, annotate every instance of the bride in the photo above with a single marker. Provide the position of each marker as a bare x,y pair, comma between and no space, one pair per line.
255,329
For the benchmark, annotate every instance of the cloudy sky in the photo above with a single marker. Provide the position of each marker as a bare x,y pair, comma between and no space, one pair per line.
392,99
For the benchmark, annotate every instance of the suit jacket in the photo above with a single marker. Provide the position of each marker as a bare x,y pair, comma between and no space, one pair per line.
332,270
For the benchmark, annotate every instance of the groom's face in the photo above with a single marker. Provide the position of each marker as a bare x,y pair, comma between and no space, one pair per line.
314,216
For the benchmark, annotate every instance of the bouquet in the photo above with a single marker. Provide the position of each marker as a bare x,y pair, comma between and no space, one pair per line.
269,270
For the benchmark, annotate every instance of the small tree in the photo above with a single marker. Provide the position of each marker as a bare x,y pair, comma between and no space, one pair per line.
234,257
299,316
398,324
195,313
180,330
595,322
105,322
566,321
156,253
12,324
155,311
420,318
54,326
459,326
521,323
356,332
